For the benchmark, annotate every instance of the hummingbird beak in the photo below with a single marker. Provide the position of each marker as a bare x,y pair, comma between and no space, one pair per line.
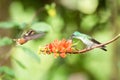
72,36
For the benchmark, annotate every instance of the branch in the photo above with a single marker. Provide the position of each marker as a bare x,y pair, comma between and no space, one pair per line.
86,49
97,46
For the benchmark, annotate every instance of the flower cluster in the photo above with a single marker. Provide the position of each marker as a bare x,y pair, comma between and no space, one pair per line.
59,48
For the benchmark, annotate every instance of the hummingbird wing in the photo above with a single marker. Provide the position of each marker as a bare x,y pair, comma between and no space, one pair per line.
95,41
28,33
35,36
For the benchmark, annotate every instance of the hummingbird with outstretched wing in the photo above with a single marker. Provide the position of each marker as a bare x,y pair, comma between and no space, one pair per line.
87,40
29,35
30,32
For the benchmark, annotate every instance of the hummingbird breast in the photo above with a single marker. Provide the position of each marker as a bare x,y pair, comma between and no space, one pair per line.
87,42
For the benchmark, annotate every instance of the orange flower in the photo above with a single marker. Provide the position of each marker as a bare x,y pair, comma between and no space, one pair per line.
59,48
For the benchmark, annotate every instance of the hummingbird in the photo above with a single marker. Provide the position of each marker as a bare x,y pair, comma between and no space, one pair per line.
29,35
87,40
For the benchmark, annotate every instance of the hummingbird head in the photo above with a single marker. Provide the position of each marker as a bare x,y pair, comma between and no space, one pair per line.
75,34
78,35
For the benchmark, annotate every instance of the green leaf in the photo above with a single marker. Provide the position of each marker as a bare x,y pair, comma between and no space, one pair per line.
89,21
52,5
5,41
87,6
7,71
31,53
8,24
41,26
19,63
47,7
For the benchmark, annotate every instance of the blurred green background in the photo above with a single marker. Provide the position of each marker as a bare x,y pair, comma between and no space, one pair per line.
59,18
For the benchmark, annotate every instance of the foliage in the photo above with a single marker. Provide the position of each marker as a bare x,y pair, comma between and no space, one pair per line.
31,53
5,41
6,73
59,19
41,26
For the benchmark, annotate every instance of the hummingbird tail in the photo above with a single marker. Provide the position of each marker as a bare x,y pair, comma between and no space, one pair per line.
103,48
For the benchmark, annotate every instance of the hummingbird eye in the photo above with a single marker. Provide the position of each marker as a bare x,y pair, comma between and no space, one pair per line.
73,35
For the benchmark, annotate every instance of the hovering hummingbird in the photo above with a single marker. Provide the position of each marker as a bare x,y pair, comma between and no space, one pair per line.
29,35
87,40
